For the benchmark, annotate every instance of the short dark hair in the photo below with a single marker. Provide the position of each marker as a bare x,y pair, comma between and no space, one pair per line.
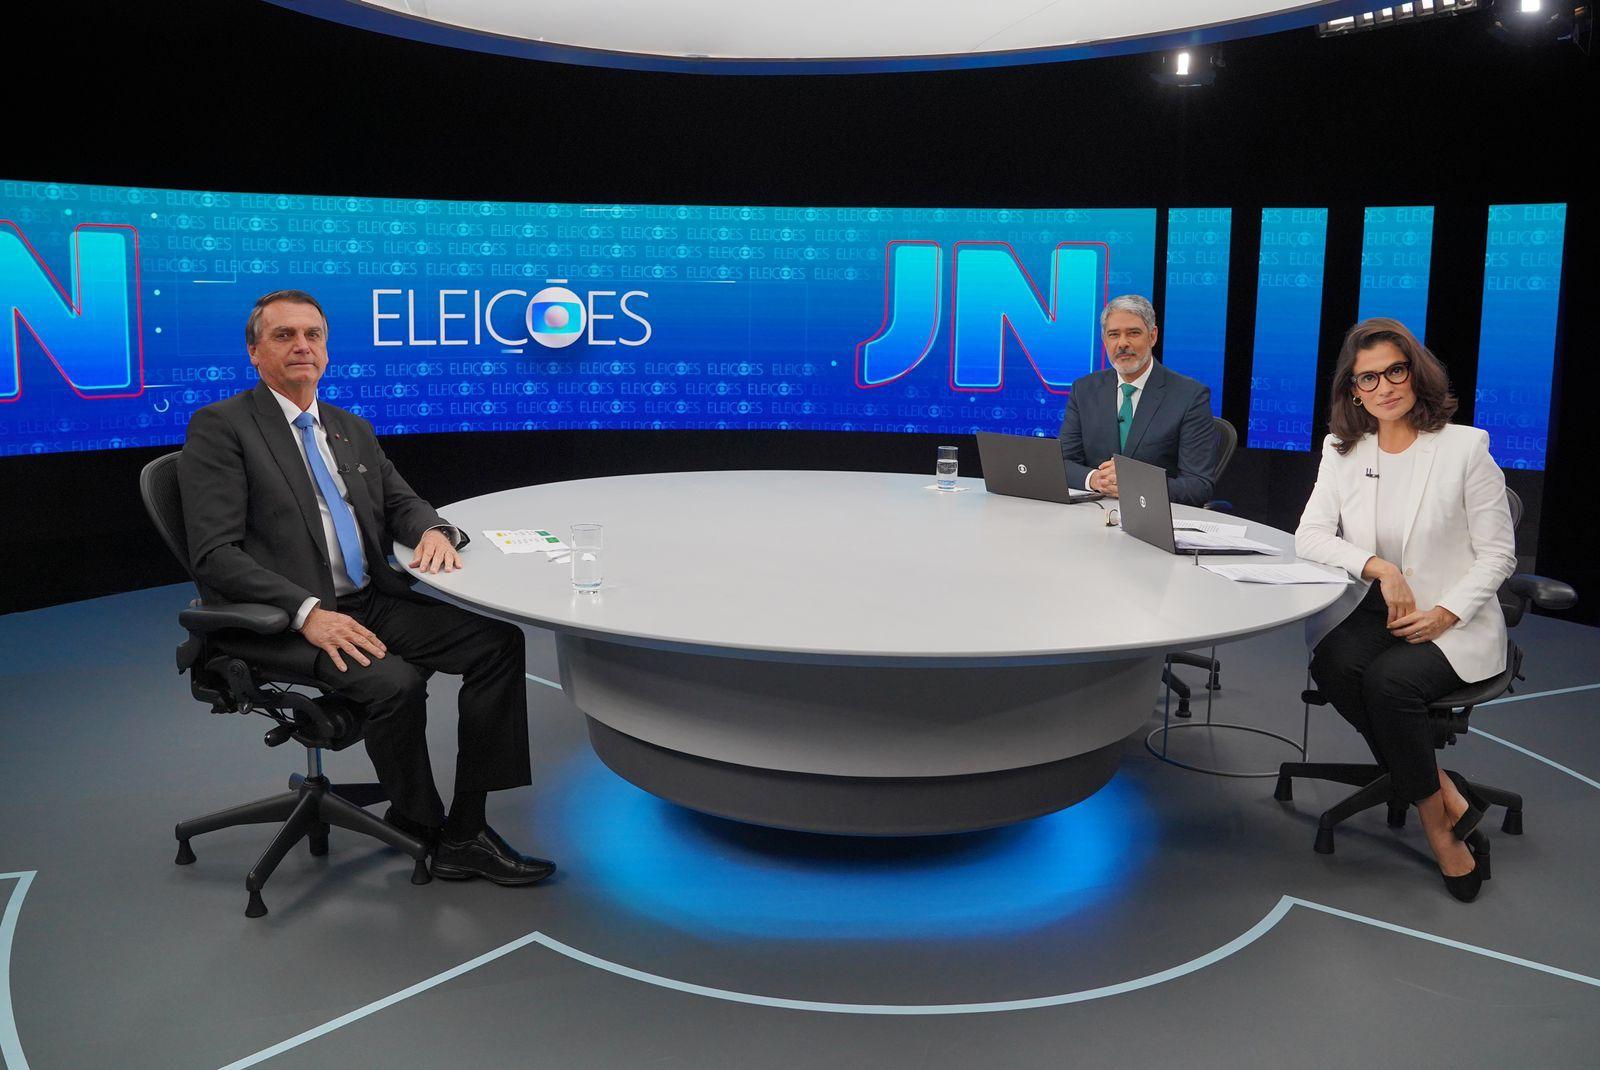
299,297
1435,404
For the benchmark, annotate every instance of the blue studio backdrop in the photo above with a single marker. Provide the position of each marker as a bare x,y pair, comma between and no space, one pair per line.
126,306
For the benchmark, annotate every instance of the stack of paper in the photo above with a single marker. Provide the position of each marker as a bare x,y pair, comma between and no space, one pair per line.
1212,526
1206,540
1298,572
526,541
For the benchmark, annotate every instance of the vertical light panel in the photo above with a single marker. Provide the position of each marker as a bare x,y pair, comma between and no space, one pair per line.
1516,347
1194,320
1396,253
1288,317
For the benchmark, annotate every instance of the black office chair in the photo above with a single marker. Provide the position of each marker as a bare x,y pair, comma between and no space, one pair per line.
1227,442
240,659
1448,717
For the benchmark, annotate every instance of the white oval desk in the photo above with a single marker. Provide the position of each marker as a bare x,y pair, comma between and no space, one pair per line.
852,652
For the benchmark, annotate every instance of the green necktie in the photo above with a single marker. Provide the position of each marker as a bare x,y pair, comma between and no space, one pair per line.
1125,414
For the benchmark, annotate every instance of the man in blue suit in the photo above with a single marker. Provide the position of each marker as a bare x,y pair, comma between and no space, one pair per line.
1138,409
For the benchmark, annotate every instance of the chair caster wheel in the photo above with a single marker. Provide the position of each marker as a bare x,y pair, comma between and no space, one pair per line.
420,874
1284,792
1324,844
185,854
1397,816
1512,825
1183,709
319,841
255,908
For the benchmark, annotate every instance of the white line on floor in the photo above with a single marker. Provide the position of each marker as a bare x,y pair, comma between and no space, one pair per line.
1536,757
387,1001
1554,971
1540,694
1260,928
10,1043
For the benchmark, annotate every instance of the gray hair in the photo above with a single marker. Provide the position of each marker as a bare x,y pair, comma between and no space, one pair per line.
298,297
1134,303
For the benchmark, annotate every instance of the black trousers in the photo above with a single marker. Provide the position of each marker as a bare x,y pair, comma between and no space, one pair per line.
1382,685
492,723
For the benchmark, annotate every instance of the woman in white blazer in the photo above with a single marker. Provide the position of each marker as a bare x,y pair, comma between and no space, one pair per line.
1414,505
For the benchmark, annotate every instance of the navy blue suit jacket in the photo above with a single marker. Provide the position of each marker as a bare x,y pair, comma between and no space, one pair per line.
1172,427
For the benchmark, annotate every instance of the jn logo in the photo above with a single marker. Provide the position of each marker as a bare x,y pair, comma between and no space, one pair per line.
991,295
92,334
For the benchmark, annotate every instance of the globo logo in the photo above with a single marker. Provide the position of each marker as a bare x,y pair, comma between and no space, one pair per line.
555,317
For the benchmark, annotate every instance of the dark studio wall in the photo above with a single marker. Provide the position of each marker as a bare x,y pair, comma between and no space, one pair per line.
243,95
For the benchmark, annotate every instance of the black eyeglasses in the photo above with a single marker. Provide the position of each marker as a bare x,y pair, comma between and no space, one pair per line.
1396,373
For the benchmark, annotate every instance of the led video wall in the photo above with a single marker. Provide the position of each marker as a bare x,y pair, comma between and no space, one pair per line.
126,309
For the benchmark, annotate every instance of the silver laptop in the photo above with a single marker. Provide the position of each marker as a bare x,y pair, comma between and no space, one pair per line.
1146,509
1025,466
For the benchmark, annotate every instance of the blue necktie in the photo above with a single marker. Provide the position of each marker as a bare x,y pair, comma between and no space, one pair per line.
1125,414
344,522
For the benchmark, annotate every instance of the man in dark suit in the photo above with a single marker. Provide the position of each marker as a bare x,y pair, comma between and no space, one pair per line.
1138,409
292,503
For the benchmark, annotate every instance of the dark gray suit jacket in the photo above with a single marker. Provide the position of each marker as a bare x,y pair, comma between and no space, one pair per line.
250,508
1172,427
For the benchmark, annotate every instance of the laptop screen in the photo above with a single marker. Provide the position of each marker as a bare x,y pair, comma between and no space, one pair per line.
1145,508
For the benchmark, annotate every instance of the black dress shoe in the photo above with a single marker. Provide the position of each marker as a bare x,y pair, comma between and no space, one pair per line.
486,855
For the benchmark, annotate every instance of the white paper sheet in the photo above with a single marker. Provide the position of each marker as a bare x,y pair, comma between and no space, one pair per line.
525,540
1211,526
1298,572
1205,540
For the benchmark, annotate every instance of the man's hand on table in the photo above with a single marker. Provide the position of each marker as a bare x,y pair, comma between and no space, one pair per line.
435,552
1104,479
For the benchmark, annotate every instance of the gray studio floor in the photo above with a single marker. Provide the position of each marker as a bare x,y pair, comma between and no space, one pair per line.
1174,917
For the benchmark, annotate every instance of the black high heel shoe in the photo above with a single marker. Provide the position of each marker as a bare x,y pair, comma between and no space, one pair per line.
1476,808
1477,842
1467,886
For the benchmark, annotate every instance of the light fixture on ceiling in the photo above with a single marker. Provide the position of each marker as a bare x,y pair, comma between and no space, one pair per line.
1397,15
1188,67
1538,22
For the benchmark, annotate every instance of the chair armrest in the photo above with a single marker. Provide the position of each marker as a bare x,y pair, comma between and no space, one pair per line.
1542,591
249,616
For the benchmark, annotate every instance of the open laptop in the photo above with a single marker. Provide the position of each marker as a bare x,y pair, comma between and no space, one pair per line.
1147,511
1025,466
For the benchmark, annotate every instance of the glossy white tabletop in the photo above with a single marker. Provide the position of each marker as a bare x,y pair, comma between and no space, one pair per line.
856,566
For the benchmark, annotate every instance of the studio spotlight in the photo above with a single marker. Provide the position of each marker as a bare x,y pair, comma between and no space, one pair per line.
1540,22
1188,67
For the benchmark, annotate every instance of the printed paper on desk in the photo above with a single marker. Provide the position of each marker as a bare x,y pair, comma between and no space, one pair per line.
1210,527
1297,572
525,541
1205,540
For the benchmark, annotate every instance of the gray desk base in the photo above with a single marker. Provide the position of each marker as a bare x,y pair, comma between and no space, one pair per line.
852,749
854,806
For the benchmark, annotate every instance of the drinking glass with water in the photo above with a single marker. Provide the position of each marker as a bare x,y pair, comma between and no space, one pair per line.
587,542
946,467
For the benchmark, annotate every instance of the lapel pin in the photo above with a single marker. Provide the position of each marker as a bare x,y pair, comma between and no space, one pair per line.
361,468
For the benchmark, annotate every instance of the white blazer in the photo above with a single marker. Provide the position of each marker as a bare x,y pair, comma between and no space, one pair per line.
1458,547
